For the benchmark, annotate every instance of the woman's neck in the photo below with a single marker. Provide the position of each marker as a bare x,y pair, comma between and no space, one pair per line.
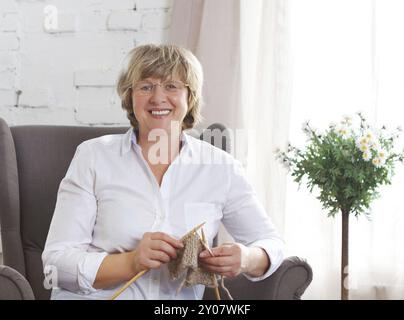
159,149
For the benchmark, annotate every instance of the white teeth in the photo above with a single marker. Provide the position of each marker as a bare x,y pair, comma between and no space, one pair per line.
160,112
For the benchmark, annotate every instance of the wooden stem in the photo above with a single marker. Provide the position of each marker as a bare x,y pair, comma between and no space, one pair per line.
345,256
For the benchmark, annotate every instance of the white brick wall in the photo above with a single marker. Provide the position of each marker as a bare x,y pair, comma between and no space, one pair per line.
153,4
67,73
9,22
124,20
9,42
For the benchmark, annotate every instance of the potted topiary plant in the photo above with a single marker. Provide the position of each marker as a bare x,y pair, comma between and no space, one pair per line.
347,164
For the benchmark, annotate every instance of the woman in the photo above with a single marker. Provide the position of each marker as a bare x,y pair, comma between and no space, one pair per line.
126,200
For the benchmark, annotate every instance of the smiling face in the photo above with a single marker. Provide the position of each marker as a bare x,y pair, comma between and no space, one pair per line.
158,64
157,104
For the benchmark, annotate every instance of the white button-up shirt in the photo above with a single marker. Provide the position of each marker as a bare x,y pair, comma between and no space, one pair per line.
109,198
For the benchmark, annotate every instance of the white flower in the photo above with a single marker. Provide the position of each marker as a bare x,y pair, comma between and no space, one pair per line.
378,162
347,120
370,136
381,154
342,131
364,148
361,141
375,145
366,156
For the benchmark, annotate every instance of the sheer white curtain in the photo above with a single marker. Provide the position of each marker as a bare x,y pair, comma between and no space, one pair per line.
243,46
266,84
348,56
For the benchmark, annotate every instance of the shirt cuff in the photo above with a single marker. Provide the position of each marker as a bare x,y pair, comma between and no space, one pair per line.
274,250
87,271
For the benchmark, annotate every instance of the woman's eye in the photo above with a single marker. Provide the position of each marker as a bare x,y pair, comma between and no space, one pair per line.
171,86
146,87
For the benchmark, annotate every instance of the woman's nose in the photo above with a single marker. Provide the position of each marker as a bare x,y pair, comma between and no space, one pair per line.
158,95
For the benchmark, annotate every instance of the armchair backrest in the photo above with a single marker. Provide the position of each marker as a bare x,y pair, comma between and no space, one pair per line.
33,161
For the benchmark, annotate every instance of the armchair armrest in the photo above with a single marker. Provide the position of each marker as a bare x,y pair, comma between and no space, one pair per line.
287,283
13,285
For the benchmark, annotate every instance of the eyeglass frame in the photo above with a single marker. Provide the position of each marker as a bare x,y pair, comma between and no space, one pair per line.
149,93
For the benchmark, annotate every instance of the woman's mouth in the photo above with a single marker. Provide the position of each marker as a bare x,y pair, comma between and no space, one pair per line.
160,113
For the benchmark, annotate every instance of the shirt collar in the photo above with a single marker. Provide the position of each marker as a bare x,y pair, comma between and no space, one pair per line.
126,141
130,139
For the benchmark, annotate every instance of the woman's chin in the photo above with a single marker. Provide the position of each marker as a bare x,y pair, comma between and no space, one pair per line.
165,124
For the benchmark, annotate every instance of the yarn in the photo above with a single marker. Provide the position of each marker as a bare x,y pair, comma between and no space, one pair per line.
186,265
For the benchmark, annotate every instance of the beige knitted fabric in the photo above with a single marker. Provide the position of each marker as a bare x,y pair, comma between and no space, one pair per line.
187,265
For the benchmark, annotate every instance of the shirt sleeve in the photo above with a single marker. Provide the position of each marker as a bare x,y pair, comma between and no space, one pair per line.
247,221
70,234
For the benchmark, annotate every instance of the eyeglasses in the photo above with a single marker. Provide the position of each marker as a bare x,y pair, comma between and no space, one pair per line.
171,87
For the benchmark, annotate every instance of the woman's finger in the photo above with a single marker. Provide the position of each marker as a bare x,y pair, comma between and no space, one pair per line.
153,264
159,256
218,261
165,237
165,247
223,250
216,269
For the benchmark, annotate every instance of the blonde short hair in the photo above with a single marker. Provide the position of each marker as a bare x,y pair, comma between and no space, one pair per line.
163,61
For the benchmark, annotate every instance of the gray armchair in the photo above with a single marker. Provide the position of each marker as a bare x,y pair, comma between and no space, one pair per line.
33,161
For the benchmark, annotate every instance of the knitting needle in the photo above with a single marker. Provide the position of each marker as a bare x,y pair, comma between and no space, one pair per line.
193,230
141,273
137,276
205,244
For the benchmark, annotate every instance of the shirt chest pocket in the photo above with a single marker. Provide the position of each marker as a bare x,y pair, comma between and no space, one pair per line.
199,212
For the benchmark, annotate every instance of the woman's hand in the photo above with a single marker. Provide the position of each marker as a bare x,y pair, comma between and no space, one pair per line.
155,249
231,259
